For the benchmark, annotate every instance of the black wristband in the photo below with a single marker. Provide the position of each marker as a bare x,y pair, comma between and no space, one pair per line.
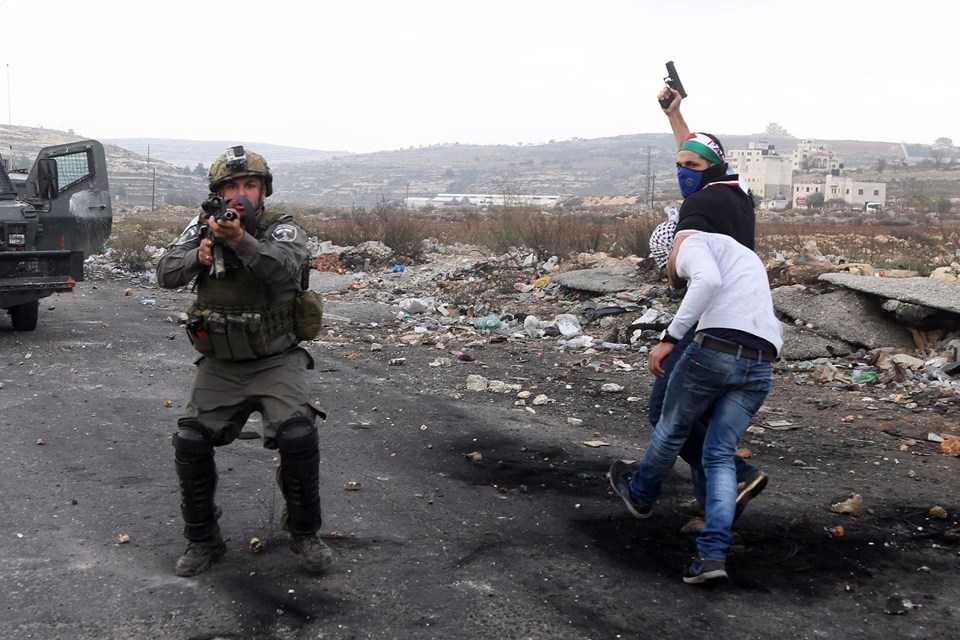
666,337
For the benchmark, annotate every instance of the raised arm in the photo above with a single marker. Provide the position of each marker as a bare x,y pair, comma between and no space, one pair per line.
677,123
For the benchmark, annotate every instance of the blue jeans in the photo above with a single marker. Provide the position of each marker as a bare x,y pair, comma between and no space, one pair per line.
729,391
692,451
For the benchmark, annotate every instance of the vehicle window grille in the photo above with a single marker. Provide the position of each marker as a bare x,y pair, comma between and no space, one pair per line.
71,169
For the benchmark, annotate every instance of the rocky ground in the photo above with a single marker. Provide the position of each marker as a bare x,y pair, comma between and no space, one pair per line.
463,464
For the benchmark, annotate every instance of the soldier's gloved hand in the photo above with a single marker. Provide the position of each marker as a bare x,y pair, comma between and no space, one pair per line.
229,230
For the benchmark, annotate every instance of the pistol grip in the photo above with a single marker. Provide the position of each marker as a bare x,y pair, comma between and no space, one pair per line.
666,102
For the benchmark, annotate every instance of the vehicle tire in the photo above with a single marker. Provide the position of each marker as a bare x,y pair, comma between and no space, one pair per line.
24,316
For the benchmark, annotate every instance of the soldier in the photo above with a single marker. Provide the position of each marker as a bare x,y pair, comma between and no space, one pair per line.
249,267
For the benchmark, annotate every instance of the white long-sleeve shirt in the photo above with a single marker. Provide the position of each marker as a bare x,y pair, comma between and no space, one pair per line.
727,288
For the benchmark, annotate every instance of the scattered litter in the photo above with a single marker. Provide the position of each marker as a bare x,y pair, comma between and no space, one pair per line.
487,322
595,443
256,545
568,324
781,425
897,605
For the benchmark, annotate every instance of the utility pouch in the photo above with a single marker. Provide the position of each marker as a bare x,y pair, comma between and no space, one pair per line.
217,328
307,314
256,334
240,345
199,335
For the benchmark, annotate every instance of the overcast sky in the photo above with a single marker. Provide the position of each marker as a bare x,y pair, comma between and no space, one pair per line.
368,75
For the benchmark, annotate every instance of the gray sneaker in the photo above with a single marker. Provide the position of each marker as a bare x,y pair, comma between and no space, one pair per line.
199,555
315,554
705,572
619,475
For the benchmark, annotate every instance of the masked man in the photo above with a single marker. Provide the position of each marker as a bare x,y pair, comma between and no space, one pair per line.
714,201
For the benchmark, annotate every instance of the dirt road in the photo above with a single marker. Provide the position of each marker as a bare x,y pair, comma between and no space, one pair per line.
476,516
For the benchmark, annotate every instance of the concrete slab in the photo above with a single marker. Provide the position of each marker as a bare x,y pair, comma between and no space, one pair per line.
928,292
851,316
610,279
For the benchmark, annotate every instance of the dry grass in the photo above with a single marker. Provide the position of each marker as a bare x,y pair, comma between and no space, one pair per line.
920,242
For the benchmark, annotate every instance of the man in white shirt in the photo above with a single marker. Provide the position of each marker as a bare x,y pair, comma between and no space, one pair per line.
724,375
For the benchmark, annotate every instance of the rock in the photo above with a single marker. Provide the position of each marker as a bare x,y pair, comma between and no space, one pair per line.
938,512
950,447
853,505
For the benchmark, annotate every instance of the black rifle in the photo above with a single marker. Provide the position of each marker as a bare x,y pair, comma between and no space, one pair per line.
216,207
673,81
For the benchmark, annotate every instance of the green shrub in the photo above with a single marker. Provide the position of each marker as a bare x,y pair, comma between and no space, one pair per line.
129,245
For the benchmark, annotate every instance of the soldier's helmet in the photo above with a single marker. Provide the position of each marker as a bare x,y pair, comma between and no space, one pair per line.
236,163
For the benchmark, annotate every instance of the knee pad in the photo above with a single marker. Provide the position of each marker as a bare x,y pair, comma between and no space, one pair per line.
191,440
298,438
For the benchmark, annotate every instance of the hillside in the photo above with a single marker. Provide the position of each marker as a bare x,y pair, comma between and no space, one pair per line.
616,166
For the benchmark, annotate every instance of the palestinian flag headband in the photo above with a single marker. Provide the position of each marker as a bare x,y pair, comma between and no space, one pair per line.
704,146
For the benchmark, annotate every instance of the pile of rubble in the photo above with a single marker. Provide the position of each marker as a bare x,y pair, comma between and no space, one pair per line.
845,325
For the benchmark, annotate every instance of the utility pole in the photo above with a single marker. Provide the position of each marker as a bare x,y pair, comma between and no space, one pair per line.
153,188
650,178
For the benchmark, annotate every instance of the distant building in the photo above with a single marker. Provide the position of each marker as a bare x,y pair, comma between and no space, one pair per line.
810,156
778,202
802,192
481,200
766,172
836,186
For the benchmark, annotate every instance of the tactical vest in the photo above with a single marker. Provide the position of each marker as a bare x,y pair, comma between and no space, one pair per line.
231,318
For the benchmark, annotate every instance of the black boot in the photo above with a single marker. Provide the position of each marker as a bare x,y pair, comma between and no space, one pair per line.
299,478
197,473
199,554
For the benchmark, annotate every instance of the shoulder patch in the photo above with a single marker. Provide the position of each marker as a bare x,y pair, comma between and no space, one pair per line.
284,233
190,233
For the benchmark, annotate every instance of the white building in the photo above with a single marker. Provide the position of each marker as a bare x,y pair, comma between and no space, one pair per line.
810,156
840,187
766,172
482,200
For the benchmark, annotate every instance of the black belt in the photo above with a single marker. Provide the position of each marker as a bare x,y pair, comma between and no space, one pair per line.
725,346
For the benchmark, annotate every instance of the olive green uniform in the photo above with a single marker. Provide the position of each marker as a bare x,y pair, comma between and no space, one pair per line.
242,324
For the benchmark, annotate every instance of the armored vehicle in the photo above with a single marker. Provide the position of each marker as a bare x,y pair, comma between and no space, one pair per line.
51,219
